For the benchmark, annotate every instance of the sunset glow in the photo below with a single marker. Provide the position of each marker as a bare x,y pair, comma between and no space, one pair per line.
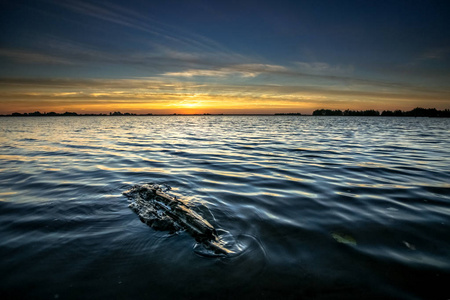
91,57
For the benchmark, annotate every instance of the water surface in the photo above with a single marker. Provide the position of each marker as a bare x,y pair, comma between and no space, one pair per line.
322,207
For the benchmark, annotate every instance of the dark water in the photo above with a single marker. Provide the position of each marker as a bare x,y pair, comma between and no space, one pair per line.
321,208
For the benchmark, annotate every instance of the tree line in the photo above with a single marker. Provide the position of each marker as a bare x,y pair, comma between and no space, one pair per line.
416,112
67,113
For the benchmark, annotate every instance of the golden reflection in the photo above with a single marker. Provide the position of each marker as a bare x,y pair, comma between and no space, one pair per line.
221,183
9,193
272,194
293,178
306,194
378,185
16,157
232,174
137,170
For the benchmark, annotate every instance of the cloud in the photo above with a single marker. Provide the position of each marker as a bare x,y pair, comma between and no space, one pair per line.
153,45
29,57
177,53
122,16
168,89
322,68
166,94
243,70
435,53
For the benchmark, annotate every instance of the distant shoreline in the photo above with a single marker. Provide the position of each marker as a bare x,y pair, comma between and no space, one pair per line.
416,112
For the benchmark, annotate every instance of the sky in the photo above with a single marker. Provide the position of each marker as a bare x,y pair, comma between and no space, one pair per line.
229,56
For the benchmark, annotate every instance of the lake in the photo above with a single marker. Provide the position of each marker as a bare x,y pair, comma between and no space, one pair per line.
317,207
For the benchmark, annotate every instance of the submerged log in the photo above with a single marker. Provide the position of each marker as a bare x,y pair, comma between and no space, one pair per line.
164,212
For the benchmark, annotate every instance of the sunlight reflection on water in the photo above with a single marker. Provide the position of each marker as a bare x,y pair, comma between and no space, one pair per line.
294,189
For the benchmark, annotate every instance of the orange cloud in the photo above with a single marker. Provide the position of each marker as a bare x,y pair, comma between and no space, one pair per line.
155,95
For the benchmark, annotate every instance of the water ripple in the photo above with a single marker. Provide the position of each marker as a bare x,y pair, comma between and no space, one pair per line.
318,207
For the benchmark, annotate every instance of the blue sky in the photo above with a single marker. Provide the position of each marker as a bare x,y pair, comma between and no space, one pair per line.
223,56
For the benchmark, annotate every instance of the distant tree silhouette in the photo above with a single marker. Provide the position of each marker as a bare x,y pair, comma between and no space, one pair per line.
70,114
389,113
416,112
327,112
370,112
423,112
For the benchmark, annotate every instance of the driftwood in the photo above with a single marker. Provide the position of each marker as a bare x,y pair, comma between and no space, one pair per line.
164,212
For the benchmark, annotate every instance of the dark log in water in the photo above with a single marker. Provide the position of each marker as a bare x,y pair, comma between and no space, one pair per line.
161,211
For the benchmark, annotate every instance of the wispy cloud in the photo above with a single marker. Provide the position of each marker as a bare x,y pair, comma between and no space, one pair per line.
322,68
185,68
30,57
166,90
243,70
144,42
175,52
122,16
435,53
